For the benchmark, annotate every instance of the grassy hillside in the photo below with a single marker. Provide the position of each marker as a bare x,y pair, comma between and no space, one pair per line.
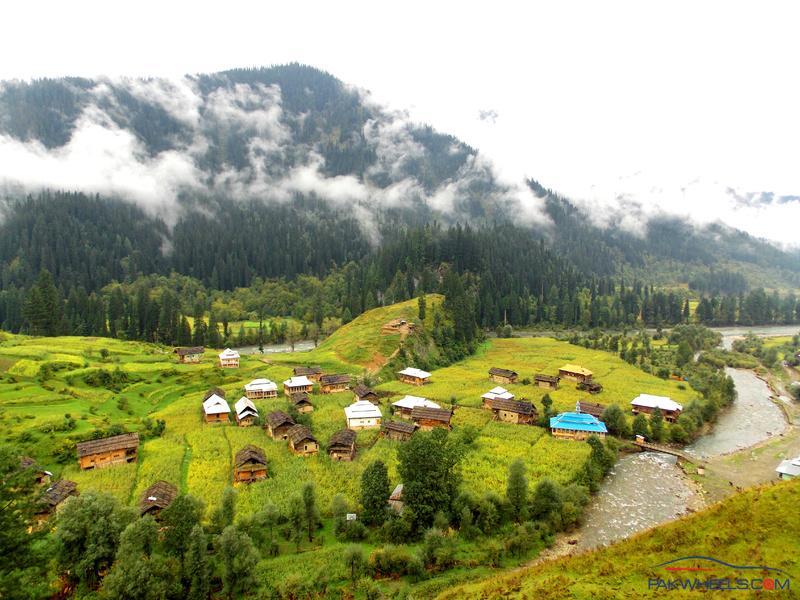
757,527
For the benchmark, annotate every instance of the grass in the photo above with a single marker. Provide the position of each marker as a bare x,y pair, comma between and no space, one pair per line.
752,528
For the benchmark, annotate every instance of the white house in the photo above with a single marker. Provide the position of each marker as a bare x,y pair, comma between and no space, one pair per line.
216,409
363,415
229,359
647,404
297,384
246,412
414,376
404,406
261,388
789,468
496,393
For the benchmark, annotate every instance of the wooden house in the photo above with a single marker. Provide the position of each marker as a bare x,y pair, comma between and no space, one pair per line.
398,430
313,373
548,382
647,404
297,384
396,499
278,425
574,373
430,418
301,402
54,496
400,326
414,376
590,408
190,355
260,389
496,393
590,386
301,441
514,411
249,464
216,409
156,498
41,476
499,375
229,359
108,451
363,415
362,392
246,412
404,406
331,384
576,426
342,445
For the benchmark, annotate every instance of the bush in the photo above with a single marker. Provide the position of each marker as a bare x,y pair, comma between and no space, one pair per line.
390,561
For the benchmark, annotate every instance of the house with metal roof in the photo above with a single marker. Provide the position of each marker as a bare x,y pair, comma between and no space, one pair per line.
246,412
229,359
576,426
297,384
259,389
647,404
404,406
574,373
216,409
496,393
788,469
363,415
414,376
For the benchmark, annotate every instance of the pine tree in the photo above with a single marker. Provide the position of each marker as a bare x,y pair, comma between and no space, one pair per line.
421,308
310,512
43,307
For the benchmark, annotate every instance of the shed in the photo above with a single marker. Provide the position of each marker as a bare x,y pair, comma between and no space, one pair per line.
496,393
259,389
313,373
574,373
216,409
189,355
342,445
246,412
430,418
576,426
229,359
590,408
53,497
414,376
301,441
299,383
108,451
301,402
514,411
499,375
330,384
548,382
647,404
396,499
363,415
590,386
156,498
404,406
362,392
398,431
249,464
42,476
279,424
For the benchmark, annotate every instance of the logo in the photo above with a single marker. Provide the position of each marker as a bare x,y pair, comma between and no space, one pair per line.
704,573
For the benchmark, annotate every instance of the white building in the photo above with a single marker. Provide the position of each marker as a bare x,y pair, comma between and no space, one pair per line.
414,376
404,406
363,415
647,404
789,468
261,388
229,359
216,409
246,411
496,393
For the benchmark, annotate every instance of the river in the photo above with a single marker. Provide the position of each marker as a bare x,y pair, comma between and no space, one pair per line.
301,346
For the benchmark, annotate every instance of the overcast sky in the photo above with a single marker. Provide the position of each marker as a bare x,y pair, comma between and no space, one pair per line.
665,105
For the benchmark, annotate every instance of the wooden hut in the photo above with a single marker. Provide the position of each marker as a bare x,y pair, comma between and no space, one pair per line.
499,375
108,451
431,418
54,496
297,384
548,382
331,384
363,415
246,412
301,441
496,393
249,464
156,498
362,392
301,402
414,376
313,373
216,409
398,431
576,426
278,425
42,477
260,389
590,386
190,355
404,406
590,408
229,359
574,373
400,326
342,445
396,499
514,411
647,404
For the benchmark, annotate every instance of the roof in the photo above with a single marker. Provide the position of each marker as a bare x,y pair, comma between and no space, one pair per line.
192,350
278,418
214,405
343,437
414,401
548,378
26,462
317,370
228,353
159,495
58,492
576,369
433,414
662,402
300,381
261,385
362,409
244,407
577,422
298,433
498,393
300,398
790,467
250,454
400,427
502,372
116,442
214,391
363,391
591,408
412,372
334,379
397,493
515,406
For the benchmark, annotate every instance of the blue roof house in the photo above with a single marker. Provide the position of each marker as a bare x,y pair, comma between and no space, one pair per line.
576,426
